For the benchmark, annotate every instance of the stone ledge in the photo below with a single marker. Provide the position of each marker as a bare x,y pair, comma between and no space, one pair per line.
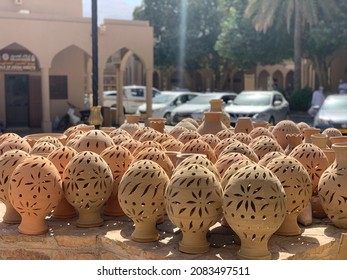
65,241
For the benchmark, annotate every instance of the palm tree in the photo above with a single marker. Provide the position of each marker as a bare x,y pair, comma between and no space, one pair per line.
265,13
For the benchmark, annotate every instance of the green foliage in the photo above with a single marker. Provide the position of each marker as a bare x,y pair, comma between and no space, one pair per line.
300,100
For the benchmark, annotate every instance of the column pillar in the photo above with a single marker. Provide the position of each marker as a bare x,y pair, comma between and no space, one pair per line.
120,94
149,93
46,124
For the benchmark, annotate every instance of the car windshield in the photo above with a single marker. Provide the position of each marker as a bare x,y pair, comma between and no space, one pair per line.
163,98
252,99
335,104
203,99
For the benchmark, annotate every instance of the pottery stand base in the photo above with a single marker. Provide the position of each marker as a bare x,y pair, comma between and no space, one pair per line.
194,243
145,231
289,226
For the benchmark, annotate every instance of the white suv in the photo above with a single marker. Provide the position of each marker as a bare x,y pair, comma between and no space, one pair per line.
132,98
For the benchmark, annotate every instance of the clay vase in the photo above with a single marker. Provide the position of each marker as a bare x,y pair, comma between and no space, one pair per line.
35,191
225,133
269,156
158,156
293,141
263,145
210,139
118,159
330,132
149,135
224,162
281,129
189,159
8,162
308,132
158,124
193,203
222,145
132,118
131,128
131,144
212,123
94,141
254,205
177,130
15,144
242,137
60,157
315,162
42,148
332,187
260,131
87,185
320,140
141,196
297,185
244,124
216,105
186,136
172,145
120,138
8,135
239,147
199,147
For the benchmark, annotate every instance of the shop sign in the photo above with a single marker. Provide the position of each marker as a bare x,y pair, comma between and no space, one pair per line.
17,60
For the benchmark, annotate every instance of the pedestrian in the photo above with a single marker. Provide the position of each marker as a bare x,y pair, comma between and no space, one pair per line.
316,102
342,87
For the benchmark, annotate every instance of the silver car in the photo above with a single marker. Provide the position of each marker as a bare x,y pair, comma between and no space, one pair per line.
164,103
332,113
270,106
196,107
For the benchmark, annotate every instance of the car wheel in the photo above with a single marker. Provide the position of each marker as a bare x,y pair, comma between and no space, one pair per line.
167,116
272,120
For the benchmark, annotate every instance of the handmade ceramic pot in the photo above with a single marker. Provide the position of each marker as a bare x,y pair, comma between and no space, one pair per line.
224,162
149,135
131,128
268,157
216,105
33,138
332,187
120,138
242,137
186,136
297,185
94,140
177,130
15,144
156,155
132,118
239,147
211,124
8,162
320,140
244,124
210,139
42,148
308,132
158,124
189,159
60,157
87,185
261,131
330,132
141,196
254,205
263,145
200,147
293,141
131,144
281,129
119,159
225,133
222,145
193,204
35,191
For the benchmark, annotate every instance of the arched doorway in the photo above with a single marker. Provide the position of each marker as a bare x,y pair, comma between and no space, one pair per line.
263,80
278,79
22,84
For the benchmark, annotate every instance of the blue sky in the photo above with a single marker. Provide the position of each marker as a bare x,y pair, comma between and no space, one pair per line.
115,9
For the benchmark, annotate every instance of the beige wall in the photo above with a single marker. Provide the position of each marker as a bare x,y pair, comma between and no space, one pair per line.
60,38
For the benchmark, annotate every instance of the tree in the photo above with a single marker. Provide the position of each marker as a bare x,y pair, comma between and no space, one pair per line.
265,13
244,47
199,31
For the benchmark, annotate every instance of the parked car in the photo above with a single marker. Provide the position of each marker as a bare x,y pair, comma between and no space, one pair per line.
270,106
133,96
196,107
164,103
332,113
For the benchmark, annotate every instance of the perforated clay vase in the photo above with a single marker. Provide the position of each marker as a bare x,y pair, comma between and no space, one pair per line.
193,203
60,157
35,190
212,123
8,162
254,205
298,188
87,185
332,187
141,196
119,159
